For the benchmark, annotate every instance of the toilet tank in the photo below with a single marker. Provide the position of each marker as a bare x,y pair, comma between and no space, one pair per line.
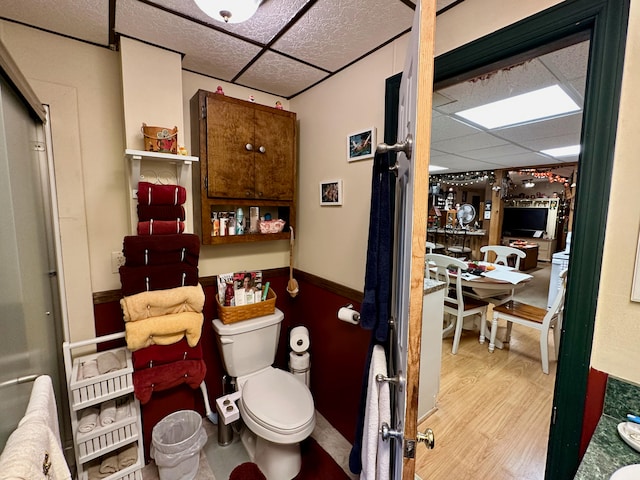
249,345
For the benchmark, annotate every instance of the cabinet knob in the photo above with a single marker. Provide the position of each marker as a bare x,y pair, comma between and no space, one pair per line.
248,146
248,193
262,149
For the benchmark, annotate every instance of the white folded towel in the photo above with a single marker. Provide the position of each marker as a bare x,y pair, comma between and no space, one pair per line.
123,410
90,369
88,420
373,418
107,412
107,362
33,452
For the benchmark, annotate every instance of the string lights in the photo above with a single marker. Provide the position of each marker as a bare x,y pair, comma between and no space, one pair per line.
466,178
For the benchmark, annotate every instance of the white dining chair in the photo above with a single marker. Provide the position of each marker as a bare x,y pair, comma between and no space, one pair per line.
455,302
502,252
533,317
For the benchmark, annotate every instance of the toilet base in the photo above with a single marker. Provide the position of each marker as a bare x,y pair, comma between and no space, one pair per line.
277,461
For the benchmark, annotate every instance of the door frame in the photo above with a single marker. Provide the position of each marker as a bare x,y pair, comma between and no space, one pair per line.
605,22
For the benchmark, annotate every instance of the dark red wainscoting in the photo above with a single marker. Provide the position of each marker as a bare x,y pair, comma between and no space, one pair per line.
338,353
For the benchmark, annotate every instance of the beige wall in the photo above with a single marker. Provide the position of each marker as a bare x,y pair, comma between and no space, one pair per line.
83,85
616,349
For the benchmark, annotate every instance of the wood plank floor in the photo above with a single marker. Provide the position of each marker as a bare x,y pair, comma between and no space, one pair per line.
494,410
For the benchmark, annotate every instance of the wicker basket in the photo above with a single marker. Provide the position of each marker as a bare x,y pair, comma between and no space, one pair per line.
160,139
237,314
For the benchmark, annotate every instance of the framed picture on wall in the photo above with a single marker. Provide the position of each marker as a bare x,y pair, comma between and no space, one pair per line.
331,192
361,144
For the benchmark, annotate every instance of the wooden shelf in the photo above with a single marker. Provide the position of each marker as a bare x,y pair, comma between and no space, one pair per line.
182,162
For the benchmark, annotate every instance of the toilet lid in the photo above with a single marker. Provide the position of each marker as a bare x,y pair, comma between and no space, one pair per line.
278,400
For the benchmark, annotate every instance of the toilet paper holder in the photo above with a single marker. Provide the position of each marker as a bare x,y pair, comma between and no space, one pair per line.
227,409
348,314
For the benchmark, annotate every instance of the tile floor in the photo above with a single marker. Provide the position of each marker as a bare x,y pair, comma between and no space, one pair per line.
223,459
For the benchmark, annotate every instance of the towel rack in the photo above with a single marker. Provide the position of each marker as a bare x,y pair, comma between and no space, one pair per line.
19,380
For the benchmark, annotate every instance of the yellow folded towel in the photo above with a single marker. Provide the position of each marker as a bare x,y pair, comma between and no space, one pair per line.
164,330
162,302
127,456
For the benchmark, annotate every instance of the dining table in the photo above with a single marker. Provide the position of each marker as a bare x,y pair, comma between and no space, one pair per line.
493,283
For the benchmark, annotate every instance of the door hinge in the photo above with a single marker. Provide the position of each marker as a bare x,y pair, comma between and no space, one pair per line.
409,449
206,183
38,146
554,415
203,111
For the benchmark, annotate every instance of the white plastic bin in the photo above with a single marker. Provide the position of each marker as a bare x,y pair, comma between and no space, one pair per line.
176,441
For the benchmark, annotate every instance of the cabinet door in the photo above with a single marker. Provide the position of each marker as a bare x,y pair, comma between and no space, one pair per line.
230,164
275,166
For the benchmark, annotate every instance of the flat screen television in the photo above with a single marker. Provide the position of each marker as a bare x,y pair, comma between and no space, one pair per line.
523,222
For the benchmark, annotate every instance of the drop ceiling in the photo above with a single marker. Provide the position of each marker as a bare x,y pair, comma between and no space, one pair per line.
290,46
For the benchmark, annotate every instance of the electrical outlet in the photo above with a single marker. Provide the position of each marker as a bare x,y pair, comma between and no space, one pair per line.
117,261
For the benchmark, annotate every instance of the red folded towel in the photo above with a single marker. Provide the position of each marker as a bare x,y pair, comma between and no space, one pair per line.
157,277
164,377
156,355
160,212
160,227
151,194
160,250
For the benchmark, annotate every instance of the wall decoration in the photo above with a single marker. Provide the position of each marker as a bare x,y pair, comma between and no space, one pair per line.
331,192
361,145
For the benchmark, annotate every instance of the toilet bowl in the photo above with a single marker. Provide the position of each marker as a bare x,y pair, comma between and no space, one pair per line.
276,408
278,411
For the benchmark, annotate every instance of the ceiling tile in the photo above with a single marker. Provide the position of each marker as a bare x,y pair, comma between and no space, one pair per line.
468,143
332,40
444,127
86,20
493,153
207,50
262,27
569,125
280,75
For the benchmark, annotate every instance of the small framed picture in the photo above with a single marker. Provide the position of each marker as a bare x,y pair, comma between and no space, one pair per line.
361,144
331,192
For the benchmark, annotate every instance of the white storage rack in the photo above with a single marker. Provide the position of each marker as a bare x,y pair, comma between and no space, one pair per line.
89,447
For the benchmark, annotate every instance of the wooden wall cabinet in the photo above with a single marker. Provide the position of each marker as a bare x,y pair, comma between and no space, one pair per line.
248,159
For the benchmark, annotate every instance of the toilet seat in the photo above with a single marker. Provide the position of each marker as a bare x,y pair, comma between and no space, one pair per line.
278,402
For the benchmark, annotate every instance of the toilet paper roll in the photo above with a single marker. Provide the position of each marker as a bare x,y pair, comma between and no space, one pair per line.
299,339
299,361
347,314
300,366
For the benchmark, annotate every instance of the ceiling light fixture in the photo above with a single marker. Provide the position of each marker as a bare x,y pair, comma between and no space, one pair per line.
436,168
562,151
229,11
537,105
528,184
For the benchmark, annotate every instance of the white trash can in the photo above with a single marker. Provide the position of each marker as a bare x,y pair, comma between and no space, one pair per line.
176,441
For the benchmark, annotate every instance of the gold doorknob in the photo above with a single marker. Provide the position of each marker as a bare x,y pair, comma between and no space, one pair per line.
428,438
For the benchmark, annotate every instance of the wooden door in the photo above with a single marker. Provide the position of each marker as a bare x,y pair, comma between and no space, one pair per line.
275,154
411,222
230,165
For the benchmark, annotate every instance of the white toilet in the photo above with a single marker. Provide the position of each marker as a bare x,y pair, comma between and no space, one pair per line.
275,406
